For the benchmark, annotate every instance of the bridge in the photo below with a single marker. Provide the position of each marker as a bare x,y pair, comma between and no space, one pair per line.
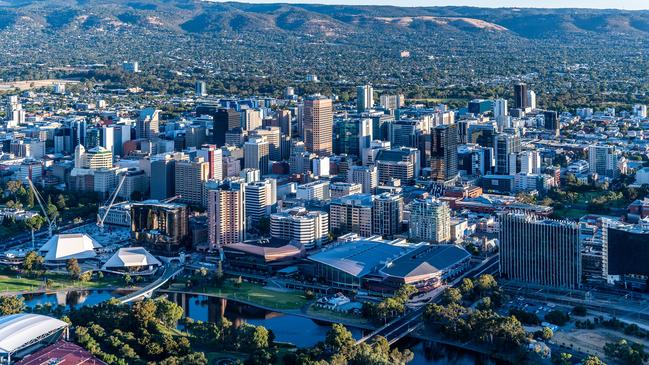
170,272
411,321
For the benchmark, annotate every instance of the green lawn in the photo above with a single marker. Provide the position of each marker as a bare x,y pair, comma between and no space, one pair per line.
333,315
253,293
14,283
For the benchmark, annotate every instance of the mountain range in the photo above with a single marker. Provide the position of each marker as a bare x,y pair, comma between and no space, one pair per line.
193,16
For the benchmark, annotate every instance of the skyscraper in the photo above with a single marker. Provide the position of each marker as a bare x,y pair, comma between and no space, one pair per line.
364,98
256,154
444,152
318,125
226,215
387,215
520,96
214,157
551,121
190,178
506,148
201,88
500,109
224,120
430,220
352,214
367,176
308,228
540,251
148,123
260,197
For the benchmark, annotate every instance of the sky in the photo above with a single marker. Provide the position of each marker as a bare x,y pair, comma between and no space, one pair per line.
601,4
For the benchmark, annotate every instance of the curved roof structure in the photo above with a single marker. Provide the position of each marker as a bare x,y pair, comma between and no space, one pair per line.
18,331
358,258
131,257
66,246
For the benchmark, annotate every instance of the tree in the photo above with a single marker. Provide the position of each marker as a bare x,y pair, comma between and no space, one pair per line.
60,202
260,340
451,295
72,265
563,358
86,276
486,282
467,286
145,312
11,305
168,312
546,333
592,360
579,310
557,317
127,279
33,261
339,339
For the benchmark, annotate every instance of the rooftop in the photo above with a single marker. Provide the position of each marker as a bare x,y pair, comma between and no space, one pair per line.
18,331
426,260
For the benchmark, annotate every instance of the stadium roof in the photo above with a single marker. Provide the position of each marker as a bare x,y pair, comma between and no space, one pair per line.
426,260
18,331
131,257
67,246
359,258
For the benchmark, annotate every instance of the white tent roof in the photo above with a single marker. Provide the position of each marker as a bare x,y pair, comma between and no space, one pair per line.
130,257
20,330
67,246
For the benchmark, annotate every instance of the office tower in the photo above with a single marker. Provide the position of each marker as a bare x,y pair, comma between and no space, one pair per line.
404,133
551,121
200,88
387,215
136,184
78,132
108,138
301,226
214,157
530,162
163,175
190,177
481,134
367,176
594,249
148,124
224,120
121,134
318,125
94,158
392,101
352,214
273,136
15,115
603,160
346,137
506,148
315,190
250,175
364,98
500,109
520,96
256,154
443,154
251,119
93,138
161,227
226,215
364,135
540,251
430,220
531,99
284,122
260,198
398,163
321,166
341,189
479,106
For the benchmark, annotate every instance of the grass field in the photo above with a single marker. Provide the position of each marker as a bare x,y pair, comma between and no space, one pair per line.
10,283
253,293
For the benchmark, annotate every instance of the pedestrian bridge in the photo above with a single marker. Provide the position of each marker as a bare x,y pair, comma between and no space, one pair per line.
170,272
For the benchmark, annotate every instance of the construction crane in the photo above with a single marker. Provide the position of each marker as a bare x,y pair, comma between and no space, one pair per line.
51,224
111,201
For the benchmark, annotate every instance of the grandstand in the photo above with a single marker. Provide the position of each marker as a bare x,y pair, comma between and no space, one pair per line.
25,333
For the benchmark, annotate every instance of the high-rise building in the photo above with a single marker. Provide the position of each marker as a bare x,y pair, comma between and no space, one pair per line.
148,123
200,88
108,138
189,180
352,214
318,125
273,136
430,220
531,99
308,228
367,176
251,119
226,215
392,101
256,154
444,158
260,198
15,115
224,120
341,189
398,163
506,148
530,162
603,160
94,158
214,157
163,227
387,215
315,190
551,121
520,96
500,109
364,98
540,251
163,175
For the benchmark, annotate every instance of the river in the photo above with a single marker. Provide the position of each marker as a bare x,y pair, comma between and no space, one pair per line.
301,331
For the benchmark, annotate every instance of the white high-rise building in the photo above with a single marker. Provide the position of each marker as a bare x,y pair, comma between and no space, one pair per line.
251,119
315,190
364,98
108,138
531,99
430,220
256,154
15,115
321,166
500,109
260,197
308,228
530,162
201,88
